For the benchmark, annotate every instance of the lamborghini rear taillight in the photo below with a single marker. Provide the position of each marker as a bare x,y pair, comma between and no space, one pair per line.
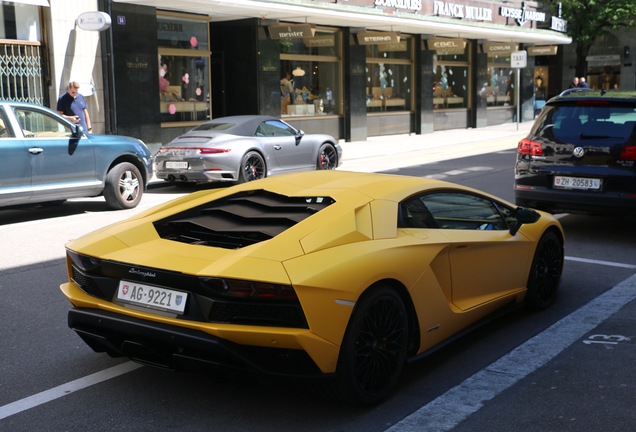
251,290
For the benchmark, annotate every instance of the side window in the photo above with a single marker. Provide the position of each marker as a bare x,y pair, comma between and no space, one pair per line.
460,210
37,124
274,128
5,130
415,214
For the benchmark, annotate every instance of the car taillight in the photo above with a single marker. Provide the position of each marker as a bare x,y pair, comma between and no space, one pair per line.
529,147
628,153
251,290
206,150
83,262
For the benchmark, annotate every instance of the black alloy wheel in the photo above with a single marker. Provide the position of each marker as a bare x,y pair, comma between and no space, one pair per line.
327,157
545,273
252,167
374,348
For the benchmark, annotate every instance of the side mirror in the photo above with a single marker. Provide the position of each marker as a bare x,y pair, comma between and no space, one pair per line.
77,131
299,136
524,216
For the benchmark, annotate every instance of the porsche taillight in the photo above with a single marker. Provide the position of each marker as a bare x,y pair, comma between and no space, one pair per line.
628,153
528,147
208,150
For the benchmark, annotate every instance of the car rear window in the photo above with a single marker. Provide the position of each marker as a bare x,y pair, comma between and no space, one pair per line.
215,126
587,120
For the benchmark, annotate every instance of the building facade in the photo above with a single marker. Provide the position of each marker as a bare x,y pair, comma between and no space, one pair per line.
351,68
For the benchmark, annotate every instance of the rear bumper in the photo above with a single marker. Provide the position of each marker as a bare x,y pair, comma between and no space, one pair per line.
172,347
565,201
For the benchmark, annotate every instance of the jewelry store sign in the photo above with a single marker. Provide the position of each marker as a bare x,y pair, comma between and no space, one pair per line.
522,15
295,31
378,38
457,10
446,45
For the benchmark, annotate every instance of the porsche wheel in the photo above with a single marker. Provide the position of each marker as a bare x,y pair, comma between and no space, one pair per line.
374,348
327,157
252,167
545,273
124,186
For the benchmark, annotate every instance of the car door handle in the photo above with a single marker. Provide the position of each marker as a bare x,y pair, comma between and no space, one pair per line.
36,150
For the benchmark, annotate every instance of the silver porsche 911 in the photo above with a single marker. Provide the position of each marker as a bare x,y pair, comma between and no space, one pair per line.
244,148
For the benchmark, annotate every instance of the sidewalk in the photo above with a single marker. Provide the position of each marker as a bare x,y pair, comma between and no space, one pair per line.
382,153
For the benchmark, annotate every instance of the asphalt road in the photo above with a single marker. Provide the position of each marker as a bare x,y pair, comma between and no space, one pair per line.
550,372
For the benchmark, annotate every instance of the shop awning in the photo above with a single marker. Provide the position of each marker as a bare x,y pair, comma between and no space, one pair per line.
342,14
44,3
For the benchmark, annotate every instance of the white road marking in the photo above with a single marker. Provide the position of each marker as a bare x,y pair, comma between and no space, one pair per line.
458,403
600,262
447,174
66,389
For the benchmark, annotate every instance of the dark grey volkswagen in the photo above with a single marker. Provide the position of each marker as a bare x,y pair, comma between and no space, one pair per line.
580,155
47,159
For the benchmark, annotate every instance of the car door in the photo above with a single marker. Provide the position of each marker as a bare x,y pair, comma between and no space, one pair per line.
486,261
62,166
286,148
15,175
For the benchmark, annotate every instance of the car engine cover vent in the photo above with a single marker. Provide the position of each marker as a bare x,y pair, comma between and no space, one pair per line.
239,220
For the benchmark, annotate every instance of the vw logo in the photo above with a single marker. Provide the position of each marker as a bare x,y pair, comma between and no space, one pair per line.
578,152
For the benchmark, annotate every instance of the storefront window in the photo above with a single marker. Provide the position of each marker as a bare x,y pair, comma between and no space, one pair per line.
451,88
501,81
184,72
389,72
311,80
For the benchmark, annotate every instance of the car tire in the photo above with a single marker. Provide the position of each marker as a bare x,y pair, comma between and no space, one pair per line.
327,157
374,348
124,186
545,273
252,167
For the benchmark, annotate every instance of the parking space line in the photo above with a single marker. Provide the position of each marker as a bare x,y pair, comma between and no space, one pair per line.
458,403
66,389
600,262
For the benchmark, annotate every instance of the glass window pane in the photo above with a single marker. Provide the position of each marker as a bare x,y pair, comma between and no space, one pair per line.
389,87
183,87
183,33
35,124
310,81
452,85
389,72
501,83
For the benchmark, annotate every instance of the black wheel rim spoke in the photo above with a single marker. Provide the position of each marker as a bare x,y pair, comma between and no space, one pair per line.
379,345
548,269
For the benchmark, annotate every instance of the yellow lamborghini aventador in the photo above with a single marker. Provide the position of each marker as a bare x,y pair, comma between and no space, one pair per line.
326,274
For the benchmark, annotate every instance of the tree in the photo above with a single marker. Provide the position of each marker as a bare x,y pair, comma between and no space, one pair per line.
588,19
